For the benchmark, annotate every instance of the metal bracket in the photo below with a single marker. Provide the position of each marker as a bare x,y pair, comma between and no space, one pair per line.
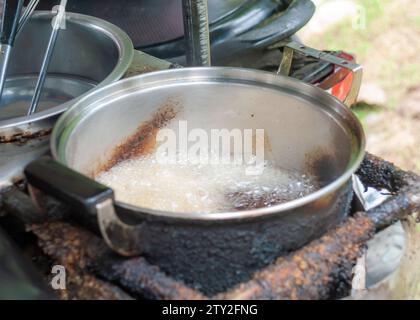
197,34
286,62
291,46
119,236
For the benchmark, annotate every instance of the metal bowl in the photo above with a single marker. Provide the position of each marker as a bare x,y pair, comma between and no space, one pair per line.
89,53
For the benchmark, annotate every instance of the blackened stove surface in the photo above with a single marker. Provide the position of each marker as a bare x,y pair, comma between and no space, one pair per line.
95,272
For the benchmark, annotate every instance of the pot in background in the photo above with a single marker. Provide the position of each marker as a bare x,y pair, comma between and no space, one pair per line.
90,53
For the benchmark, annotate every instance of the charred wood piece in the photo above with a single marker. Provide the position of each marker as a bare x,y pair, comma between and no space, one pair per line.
398,207
312,272
19,204
86,256
380,174
142,279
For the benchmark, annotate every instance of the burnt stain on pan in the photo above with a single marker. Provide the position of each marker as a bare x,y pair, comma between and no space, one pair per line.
143,141
242,200
23,137
321,164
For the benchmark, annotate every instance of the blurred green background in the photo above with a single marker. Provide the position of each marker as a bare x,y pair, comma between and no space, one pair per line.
385,37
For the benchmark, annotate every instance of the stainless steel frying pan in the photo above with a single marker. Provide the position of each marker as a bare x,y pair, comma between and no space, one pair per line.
309,131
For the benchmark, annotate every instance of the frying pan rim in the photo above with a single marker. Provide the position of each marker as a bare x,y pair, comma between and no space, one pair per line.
327,100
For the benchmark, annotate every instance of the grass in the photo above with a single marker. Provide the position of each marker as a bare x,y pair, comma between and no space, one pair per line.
362,110
387,46
344,36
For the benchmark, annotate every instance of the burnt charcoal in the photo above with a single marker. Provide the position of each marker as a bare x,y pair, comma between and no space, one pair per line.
75,248
144,280
397,207
92,267
314,271
311,272
380,174
19,204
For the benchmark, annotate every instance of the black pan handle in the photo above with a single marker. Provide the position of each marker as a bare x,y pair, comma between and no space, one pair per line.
10,21
85,194
67,185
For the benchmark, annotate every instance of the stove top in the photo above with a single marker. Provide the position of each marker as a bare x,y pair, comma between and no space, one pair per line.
323,269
